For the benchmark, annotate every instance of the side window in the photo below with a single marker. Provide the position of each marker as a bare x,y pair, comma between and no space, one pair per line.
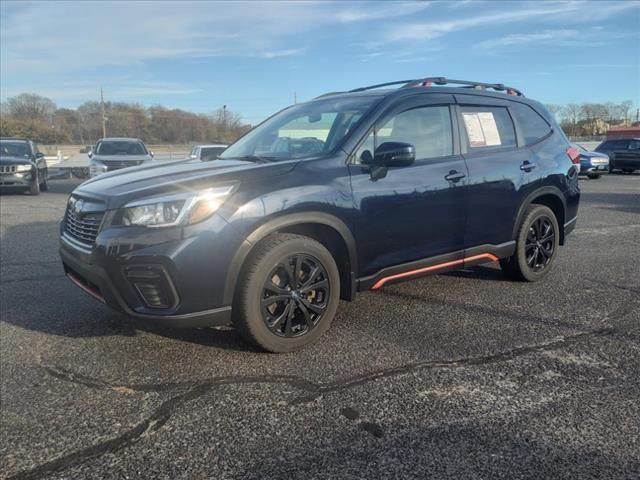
532,125
621,145
428,129
488,127
634,145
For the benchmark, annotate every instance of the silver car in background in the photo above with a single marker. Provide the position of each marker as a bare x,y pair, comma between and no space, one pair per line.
206,153
115,153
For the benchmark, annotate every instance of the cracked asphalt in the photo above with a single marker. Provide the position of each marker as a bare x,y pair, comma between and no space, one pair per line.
462,375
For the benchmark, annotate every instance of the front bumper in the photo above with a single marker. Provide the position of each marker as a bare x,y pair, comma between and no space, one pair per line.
123,267
21,180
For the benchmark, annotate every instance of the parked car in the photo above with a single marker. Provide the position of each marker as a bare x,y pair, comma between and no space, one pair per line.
206,153
116,153
623,153
23,166
414,180
592,164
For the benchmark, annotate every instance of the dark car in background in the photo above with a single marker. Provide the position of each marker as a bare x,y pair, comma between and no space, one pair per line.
206,153
395,184
23,166
112,154
592,164
623,153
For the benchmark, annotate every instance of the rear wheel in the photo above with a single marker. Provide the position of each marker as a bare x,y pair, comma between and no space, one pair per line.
536,245
287,294
593,176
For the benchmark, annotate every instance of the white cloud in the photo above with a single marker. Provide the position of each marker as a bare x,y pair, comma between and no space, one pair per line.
515,12
282,53
546,36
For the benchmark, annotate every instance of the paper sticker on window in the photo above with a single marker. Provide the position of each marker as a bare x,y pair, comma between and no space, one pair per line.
474,129
482,130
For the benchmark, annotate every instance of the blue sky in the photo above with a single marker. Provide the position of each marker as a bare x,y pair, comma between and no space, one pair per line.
254,56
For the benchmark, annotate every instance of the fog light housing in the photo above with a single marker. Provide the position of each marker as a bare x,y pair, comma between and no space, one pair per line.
153,286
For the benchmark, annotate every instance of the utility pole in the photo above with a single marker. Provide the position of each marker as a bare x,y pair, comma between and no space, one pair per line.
104,118
295,97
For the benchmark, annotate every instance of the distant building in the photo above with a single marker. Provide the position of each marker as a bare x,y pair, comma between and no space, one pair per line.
623,132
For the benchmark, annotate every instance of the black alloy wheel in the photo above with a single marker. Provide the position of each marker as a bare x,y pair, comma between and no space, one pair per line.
537,243
287,293
540,243
295,296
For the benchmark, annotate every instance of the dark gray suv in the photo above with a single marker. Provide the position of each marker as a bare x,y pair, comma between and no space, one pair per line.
116,153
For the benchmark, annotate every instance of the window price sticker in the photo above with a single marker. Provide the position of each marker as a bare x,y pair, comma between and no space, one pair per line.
482,129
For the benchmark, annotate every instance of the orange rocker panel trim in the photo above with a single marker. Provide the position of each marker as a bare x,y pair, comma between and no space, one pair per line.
382,281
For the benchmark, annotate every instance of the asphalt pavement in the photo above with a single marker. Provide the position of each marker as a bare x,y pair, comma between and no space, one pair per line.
459,376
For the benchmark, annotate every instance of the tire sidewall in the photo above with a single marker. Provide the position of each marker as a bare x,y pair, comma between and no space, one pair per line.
257,278
534,214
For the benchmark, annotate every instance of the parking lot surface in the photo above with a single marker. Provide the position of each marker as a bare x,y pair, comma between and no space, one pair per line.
462,375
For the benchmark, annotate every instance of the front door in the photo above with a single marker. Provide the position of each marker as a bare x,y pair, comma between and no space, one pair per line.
414,212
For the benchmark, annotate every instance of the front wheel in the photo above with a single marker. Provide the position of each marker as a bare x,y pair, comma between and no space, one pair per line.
34,189
593,176
536,245
287,294
44,186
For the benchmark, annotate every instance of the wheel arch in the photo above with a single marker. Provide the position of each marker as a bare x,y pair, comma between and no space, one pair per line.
551,197
328,229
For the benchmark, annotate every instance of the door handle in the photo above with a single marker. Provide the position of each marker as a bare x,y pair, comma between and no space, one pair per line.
527,166
454,176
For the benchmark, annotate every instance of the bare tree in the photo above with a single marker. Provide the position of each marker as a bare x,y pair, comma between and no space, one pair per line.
29,106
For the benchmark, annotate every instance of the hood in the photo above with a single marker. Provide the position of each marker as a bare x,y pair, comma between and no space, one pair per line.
8,160
120,158
160,178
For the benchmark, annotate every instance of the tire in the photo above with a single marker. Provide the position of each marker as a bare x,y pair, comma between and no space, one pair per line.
533,261
593,176
44,186
282,325
34,189
611,168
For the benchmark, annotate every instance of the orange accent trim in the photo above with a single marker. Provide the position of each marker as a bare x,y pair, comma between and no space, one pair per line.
79,283
382,281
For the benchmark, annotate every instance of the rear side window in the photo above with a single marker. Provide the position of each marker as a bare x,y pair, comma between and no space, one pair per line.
488,127
532,125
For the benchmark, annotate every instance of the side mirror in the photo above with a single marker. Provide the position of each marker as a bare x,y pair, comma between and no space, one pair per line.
395,154
151,154
39,155
90,154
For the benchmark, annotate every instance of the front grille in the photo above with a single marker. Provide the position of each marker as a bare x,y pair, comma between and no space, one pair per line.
7,169
83,227
118,164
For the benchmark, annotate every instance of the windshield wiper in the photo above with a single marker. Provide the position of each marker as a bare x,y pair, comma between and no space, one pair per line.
252,158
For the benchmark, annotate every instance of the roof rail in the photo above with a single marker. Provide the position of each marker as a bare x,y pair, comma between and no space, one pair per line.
429,81
499,87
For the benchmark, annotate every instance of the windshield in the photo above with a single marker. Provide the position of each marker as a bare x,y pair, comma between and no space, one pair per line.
14,149
120,147
305,130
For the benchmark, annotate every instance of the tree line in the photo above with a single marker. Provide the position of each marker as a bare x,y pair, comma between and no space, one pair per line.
594,119
38,118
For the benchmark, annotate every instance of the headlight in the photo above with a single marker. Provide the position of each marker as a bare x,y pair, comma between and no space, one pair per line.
24,168
171,210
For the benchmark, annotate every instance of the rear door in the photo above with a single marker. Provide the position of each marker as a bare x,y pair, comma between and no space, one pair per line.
418,211
502,171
